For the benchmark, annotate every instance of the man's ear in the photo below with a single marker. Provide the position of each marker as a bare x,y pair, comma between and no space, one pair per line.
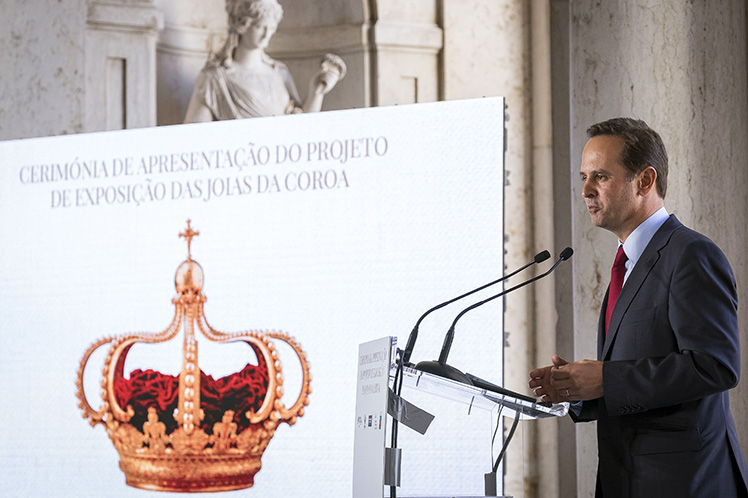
647,179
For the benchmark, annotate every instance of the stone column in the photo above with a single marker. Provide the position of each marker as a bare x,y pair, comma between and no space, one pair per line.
121,64
492,48
680,66
562,459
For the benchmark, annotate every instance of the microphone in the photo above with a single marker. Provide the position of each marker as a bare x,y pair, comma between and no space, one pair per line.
440,366
539,258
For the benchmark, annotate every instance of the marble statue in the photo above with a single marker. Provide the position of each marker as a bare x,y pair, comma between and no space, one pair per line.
242,81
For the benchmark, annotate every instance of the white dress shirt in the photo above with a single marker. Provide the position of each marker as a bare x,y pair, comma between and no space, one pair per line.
640,238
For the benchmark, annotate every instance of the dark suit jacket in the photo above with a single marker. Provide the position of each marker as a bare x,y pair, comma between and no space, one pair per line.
671,353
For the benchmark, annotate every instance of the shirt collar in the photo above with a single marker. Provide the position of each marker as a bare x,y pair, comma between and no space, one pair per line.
640,237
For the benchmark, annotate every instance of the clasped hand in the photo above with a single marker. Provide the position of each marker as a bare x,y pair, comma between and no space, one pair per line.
563,381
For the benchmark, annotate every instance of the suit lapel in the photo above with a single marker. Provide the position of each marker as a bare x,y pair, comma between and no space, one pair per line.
601,326
633,283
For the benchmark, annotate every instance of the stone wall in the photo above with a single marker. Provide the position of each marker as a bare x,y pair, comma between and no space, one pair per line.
77,66
674,64
42,63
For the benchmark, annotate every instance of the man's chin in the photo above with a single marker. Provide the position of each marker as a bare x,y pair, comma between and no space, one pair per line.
597,221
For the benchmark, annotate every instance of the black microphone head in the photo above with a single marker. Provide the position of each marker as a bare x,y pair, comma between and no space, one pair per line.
566,254
541,256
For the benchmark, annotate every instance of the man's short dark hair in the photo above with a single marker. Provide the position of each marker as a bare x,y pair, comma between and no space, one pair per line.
643,147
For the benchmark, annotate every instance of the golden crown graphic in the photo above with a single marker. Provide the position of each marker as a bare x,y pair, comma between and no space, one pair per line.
192,433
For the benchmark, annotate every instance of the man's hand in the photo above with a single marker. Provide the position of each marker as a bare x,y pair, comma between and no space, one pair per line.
564,381
579,380
540,381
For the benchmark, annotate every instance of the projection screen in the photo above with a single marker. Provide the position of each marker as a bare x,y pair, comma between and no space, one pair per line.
336,228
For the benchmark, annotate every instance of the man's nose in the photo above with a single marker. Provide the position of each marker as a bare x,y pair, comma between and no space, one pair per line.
587,190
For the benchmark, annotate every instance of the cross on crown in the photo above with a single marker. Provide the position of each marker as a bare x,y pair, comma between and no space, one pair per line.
188,234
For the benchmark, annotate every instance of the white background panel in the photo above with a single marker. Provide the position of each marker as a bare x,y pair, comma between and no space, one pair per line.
362,257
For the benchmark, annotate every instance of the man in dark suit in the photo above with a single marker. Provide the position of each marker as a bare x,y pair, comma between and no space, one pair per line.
668,343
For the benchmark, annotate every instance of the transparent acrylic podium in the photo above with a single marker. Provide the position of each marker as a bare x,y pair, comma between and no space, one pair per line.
482,398
431,463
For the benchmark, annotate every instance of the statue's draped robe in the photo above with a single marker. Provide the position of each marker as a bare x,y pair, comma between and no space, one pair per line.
232,92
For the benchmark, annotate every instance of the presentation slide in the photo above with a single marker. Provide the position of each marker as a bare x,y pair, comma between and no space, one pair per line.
329,229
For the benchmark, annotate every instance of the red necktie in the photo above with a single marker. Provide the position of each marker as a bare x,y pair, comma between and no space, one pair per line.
616,282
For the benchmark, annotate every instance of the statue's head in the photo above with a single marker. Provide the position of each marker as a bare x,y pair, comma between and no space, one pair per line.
242,13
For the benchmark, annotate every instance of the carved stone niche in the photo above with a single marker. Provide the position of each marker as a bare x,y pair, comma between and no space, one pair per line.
392,49
121,64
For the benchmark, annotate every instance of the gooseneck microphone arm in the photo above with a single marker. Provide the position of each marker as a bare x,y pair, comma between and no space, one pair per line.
539,258
440,367
565,254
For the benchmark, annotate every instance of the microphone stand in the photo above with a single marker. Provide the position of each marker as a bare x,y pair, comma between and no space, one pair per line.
404,355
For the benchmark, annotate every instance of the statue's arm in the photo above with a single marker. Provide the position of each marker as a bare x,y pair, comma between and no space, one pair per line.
197,111
313,101
332,70
295,104
320,84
